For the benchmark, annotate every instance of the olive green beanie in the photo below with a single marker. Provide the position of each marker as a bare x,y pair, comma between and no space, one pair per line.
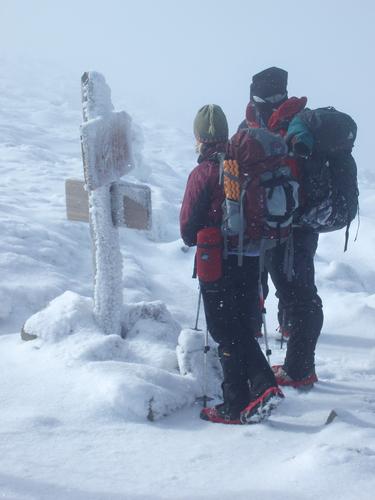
210,124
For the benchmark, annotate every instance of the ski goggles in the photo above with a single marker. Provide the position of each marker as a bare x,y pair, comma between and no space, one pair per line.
272,99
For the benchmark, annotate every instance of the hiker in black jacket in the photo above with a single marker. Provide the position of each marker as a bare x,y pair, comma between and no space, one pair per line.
300,307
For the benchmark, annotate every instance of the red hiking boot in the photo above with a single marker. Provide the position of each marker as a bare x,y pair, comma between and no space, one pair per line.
282,378
220,414
260,408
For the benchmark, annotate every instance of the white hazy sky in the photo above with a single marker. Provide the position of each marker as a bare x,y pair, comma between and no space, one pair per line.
170,57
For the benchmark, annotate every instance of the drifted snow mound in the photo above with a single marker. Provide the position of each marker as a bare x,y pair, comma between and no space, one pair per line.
132,377
206,374
66,315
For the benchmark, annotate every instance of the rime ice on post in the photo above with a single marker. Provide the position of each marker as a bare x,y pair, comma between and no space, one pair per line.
105,134
106,152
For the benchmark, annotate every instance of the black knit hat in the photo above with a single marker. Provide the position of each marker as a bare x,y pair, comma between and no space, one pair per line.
210,124
269,82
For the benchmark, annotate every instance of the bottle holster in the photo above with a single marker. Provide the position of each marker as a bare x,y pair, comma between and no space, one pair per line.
209,256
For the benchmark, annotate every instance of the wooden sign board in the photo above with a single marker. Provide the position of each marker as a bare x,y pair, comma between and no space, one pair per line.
106,149
131,204
77,200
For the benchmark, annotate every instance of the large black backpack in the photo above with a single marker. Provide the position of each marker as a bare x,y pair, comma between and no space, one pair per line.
329,175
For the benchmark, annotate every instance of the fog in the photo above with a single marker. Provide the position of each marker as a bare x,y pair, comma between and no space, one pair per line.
167,58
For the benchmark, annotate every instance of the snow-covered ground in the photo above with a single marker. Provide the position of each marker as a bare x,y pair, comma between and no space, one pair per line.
74,403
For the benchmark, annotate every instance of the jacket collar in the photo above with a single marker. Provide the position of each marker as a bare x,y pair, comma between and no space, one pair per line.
280,118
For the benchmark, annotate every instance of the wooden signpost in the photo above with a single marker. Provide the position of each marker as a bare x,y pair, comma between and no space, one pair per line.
102,199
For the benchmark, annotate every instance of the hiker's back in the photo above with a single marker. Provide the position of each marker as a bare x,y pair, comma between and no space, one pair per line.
260,209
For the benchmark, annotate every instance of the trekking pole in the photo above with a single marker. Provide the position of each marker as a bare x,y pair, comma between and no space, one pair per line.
282,329
206,348
198,310
263,312
205,398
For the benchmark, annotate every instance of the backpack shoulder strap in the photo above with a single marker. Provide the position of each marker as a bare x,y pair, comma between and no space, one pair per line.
221,158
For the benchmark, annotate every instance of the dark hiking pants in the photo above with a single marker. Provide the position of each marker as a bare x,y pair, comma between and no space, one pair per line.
299,301
231,305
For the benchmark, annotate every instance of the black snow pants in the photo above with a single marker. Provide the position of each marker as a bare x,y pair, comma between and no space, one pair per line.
299,301
231,307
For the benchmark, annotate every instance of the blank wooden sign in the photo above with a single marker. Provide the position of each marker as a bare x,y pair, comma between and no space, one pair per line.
77,200
131,204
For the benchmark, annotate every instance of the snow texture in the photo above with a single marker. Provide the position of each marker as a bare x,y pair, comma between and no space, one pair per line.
63,316
75,401
206,373
135,377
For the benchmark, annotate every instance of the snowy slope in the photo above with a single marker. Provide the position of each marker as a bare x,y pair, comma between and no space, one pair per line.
71,425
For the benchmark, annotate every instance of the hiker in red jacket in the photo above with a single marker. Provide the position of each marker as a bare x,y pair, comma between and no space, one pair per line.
230,292
300,307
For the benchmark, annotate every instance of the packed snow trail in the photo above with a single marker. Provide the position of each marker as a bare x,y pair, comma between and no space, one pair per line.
67,430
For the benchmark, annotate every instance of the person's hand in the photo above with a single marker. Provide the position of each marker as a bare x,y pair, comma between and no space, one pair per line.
300,150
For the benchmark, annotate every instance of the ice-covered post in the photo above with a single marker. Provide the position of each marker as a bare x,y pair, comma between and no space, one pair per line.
107,155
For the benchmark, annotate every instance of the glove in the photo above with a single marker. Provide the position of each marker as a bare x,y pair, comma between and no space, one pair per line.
301,150
298,147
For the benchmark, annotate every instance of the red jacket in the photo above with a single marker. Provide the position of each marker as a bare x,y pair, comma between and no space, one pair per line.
201,206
